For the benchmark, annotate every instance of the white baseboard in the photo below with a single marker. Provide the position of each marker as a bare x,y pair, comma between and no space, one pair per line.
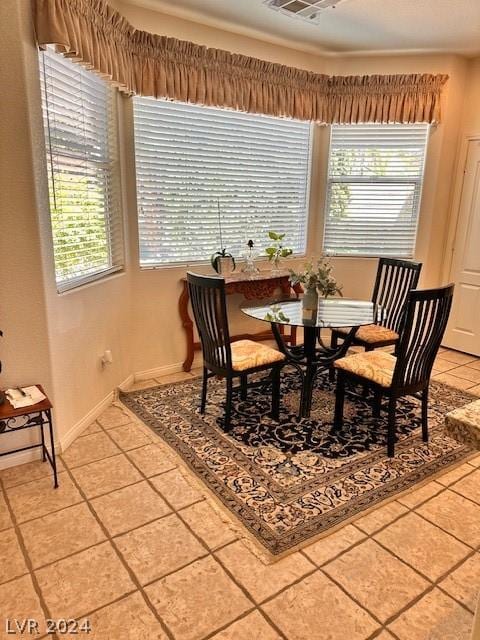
76,430
84,422
158,371
21,457
125,385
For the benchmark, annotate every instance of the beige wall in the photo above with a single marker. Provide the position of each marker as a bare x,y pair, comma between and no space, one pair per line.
471,116
59,338
49,338
24,349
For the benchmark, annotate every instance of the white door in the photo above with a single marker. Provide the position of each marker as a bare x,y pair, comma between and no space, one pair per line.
463,331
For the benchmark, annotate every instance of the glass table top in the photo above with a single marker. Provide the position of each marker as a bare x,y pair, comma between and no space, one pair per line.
330,313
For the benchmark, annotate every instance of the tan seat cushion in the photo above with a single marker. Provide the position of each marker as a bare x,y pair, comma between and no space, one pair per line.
247,354
376,366
372,333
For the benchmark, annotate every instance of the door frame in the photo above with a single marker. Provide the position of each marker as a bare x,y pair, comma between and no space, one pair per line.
456,202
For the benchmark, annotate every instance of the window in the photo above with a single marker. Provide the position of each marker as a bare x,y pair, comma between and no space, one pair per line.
80,127
374,187
194,163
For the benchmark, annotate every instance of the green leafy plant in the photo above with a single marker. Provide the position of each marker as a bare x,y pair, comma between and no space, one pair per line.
276,250
317,276
215,257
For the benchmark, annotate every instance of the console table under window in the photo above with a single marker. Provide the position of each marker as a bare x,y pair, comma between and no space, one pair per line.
258,286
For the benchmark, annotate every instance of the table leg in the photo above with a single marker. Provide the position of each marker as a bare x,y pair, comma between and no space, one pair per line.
52,448
308,359
44,457
311,366
187,324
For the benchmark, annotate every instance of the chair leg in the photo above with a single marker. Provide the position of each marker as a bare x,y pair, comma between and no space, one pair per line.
425,415
243,387
392,409
204,390
228,404
276,393
339,401
377,403
333,345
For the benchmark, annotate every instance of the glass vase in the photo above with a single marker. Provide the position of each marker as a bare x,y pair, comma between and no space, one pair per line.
310,305
276,266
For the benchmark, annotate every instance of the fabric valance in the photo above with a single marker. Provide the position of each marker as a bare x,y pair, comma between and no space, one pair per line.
137,62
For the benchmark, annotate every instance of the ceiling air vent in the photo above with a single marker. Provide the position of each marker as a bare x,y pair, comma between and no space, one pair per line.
309,10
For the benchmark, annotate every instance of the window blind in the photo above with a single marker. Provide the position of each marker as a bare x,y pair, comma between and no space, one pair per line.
374,188
80,133
196,163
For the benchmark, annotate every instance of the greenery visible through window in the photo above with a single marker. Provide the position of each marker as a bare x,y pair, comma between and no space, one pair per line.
80,141
374,189
196,165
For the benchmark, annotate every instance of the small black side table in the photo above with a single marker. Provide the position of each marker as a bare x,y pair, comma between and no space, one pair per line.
35,415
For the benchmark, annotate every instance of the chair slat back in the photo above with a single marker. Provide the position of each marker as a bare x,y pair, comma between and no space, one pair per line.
425,322
207,296
395,279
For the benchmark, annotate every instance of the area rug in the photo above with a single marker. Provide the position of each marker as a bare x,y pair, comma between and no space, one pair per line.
289,481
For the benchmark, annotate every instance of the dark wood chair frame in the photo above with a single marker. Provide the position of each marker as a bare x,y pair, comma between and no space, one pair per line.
394,279
420,338
208,299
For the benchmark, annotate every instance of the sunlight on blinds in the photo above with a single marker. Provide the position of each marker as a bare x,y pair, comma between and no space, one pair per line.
192,161
374,189
79,119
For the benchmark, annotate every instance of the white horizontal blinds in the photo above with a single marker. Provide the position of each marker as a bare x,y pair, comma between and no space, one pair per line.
374,189
80,132
192,161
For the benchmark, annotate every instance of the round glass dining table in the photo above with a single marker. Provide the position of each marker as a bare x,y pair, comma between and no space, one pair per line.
314,355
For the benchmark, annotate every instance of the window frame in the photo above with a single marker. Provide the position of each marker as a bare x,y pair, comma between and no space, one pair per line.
115,248
309,218
348,180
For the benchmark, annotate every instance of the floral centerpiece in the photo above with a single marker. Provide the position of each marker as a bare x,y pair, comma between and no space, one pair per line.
316,278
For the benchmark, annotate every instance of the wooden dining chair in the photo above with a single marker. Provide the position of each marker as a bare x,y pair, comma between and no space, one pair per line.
395,278
227,359
407,373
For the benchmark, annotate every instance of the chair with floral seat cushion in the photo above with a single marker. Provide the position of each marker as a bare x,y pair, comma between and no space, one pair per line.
223,358
406,373
395,278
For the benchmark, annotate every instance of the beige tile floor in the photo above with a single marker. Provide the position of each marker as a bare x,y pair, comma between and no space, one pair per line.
129,544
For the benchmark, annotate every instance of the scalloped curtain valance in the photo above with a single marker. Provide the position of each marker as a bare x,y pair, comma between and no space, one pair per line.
137,62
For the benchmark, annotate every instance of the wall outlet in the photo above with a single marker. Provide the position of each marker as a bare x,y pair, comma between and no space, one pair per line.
106,358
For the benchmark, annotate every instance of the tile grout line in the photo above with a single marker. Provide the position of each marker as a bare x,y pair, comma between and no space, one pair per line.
349,595
204,544
26,557
126,566
414,510
199,539
434,582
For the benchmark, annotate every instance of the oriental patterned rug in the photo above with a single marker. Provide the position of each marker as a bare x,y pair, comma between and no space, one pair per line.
290,481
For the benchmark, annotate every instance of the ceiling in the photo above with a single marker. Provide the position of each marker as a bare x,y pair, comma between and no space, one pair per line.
367,26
